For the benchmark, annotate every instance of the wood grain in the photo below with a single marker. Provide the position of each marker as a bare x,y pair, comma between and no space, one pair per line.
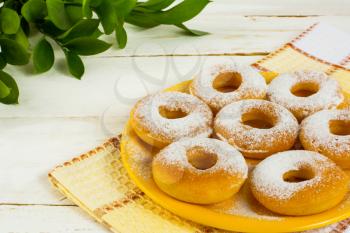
110,85
34,146
60,117
58,219
230,34
281,8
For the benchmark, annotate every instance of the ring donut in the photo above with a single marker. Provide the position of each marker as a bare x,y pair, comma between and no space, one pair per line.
328,132
298,183
223,84
199,170
165,117
305,92
257,128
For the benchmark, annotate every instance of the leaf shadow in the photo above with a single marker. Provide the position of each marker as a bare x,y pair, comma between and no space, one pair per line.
61,67
27,69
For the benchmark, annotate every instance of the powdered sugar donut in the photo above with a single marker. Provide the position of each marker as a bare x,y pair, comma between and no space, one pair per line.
328,132
199,170
165,117
223,84
257,128
305,92
298,183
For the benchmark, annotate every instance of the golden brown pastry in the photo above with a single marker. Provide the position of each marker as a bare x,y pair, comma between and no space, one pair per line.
165,117
199,170
222,84
305,92
328,132
298,182
257,128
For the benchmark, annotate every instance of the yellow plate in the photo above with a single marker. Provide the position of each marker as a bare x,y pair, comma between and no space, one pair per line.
241,213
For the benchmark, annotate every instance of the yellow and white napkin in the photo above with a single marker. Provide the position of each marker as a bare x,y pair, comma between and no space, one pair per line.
321,47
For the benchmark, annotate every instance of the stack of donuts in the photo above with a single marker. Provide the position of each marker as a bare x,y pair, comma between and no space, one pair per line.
294,130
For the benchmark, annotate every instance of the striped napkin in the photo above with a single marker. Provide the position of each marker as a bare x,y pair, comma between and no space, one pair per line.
97,182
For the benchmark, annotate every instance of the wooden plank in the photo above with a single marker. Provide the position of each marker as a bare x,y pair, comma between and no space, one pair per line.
281,8
110,86
50,219
31,147
229,34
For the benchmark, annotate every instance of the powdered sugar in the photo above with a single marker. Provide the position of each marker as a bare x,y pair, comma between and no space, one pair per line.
228,126
141,157
197,122
244,204
253,85
328,96
267,177
316,130
228,158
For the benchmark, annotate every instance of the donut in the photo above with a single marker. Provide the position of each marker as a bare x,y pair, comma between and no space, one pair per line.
298,182
305,92
165,117
257,128
328,132
219,85
199,170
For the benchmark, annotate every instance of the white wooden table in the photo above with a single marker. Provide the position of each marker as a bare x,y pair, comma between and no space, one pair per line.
59,117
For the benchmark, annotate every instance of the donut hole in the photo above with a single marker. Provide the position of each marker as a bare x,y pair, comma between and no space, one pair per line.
305,89
227,82
201,159
339,127
257,119
168,113
300,175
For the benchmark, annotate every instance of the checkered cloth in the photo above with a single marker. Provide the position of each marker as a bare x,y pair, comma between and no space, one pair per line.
97,182
321,47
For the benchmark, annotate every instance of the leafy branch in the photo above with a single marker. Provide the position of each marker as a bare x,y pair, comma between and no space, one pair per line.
73,25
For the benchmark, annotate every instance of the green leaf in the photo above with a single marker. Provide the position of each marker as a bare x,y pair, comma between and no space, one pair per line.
180,13
15,53
2,61
87,46
95,3
4,90
57,14
10,4
21,38
83,28
121,36
191,32
96,34
47,27
140,9
107,15
156,5
141,20
75,64
34,10
9,21
43,56
75,13
124,7
25,26
86,10
12,98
